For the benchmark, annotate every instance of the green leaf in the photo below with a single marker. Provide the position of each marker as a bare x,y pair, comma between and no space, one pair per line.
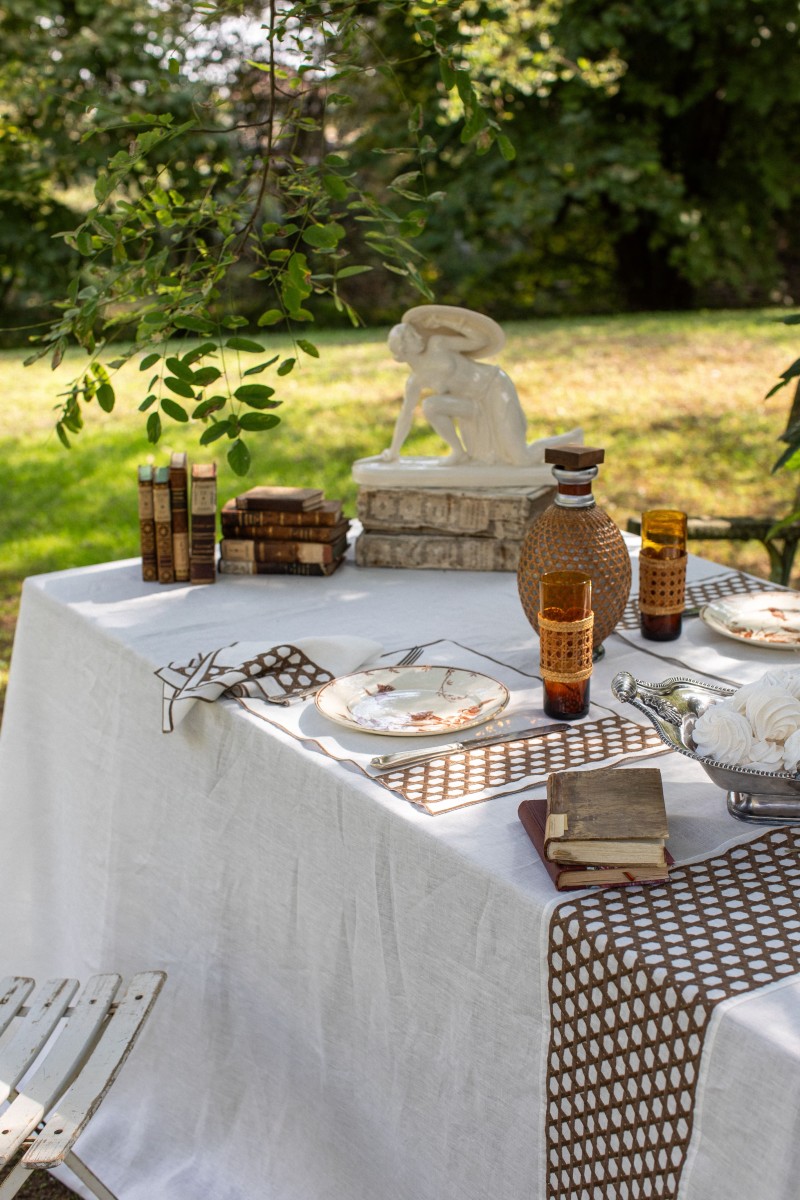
180,369
206,407
506,147
447,73
148,402
153,427
240,343
261,366
234,322
106,397
336,187
286,366
270,317
308,347
174,410
215,431
179,387
206,375
257,421
193,324
83,243
174,66
239,457
349,272
62,435
254,393
199,352
323,237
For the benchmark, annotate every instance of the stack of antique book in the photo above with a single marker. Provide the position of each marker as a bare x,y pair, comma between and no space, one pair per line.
603,828
282,531
172,552
451,528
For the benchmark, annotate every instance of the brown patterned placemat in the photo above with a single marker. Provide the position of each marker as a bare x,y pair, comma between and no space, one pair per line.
634,975
460,779
734,583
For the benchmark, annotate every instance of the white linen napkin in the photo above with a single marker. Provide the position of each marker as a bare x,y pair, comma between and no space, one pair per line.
248,669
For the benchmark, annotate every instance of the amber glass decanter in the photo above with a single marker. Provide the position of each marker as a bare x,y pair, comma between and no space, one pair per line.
573,534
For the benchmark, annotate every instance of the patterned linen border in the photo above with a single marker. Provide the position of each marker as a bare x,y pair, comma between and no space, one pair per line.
704,592
634,975
460,779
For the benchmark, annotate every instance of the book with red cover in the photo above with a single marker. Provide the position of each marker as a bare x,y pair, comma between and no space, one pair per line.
533,815
282,499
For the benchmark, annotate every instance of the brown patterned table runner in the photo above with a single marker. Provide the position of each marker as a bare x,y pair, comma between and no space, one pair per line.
462,779
734,583
634,975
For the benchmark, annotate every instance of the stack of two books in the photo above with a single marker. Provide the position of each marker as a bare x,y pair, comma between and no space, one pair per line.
603,828
282,531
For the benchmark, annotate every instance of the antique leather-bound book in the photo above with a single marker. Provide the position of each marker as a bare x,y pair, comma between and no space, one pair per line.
328,513
244,550
606,816
162,515
147,525
179,491
533,815
283,533
229,566
202,561
285,499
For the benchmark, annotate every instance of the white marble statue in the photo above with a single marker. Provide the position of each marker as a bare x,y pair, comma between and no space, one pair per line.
472,405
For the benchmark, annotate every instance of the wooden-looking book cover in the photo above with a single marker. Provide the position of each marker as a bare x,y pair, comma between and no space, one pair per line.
202,559
229,566
283,533
287,499
162,515
533,815
606,816
328,513
179,496
147,525
242,550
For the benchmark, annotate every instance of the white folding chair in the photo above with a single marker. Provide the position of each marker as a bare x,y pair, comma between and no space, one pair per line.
57,1061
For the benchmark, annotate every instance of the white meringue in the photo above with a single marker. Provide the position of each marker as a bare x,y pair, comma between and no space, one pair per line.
791,752
724,735
765,756
773,712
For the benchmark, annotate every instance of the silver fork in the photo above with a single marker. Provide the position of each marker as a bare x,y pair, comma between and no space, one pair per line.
408,659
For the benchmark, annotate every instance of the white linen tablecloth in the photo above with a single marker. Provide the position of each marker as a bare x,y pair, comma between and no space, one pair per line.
356,1004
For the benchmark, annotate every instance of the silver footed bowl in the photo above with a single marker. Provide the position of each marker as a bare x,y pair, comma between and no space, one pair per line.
672,707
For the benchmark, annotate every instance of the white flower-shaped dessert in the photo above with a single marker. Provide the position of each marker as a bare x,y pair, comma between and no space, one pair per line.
773,712
791,751
765,756
788,679
723,734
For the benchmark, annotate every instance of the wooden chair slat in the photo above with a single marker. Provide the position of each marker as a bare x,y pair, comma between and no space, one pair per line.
46,1010
76,1107
60,1065
14,991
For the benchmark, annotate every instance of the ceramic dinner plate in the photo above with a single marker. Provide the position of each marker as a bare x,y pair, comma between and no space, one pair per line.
409,701
768,619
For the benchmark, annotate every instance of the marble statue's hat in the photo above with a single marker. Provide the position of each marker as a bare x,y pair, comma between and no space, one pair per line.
447,318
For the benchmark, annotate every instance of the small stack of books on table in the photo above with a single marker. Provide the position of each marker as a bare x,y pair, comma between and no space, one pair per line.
604,828
282,531
172,552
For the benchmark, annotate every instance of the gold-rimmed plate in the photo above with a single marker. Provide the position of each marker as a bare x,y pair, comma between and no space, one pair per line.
412,701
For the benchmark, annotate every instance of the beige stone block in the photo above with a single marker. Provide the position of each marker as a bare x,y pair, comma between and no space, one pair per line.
437,552
500,514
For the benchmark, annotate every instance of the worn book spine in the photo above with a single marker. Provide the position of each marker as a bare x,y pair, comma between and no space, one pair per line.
437,552
147,525
241,550
280,533
492,514
202,559
179,490
533,815
162,515
229,566
328,513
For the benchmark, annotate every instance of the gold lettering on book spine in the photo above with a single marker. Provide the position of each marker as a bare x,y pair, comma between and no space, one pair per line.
566,649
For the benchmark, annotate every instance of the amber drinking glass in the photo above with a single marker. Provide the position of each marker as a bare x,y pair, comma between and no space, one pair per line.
566,621
662,574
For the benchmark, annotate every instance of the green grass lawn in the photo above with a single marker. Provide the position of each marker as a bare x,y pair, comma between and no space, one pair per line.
676,400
